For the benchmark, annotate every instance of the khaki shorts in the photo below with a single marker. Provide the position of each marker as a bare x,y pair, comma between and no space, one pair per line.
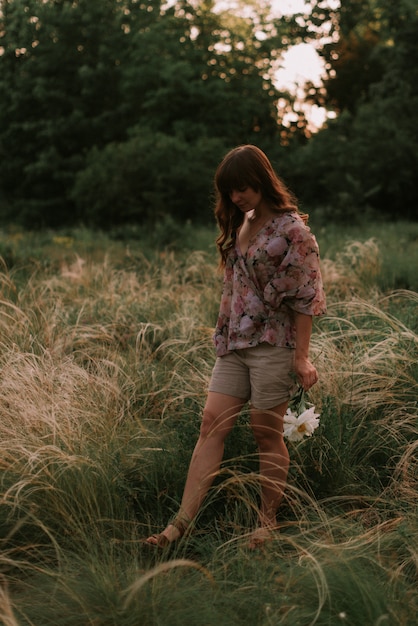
262,374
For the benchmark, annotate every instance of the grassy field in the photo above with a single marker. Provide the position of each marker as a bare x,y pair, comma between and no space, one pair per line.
105,357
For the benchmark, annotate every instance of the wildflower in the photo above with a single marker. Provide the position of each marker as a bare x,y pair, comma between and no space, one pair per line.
302,422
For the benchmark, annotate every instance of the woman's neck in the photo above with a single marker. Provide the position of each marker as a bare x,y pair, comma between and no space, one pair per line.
260,214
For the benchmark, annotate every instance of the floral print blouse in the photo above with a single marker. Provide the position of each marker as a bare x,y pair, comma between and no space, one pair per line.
277,276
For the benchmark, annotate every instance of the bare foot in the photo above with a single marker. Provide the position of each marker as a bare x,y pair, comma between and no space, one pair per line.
261,536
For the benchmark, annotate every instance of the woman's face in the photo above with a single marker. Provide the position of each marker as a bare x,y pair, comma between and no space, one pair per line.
246,198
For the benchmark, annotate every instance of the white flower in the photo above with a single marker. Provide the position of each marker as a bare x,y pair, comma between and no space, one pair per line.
297,427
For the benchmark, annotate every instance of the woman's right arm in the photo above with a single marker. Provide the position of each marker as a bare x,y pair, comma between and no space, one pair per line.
305,371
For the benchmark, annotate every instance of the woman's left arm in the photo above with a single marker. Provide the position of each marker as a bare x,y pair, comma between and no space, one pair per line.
305,371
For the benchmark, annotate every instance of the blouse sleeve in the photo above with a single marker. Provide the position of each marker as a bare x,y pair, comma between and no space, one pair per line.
297,280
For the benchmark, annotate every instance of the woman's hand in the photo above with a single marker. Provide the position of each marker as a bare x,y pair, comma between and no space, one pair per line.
305,372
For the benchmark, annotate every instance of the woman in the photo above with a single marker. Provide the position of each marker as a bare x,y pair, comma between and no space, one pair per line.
272,288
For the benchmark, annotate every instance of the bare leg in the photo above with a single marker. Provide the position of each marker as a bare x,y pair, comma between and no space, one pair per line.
267,428
219,416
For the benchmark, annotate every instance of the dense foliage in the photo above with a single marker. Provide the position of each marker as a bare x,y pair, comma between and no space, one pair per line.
112,109
117,111
368,155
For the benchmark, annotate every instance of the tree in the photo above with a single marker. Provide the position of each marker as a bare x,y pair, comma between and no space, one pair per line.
83,78
353,62
368,156
204,72
201,83
60,75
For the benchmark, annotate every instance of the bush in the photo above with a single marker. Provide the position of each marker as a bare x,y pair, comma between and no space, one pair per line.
147,178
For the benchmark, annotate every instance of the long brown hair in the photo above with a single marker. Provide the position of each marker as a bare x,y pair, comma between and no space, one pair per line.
245,166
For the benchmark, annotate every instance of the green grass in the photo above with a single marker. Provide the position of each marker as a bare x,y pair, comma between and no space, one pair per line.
105,357
397,244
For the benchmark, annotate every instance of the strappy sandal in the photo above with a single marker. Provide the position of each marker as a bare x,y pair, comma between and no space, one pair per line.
161,541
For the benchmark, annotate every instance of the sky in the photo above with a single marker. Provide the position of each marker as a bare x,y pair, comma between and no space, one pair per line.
301,63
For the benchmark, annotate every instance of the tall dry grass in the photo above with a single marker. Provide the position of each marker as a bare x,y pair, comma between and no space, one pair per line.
103,378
